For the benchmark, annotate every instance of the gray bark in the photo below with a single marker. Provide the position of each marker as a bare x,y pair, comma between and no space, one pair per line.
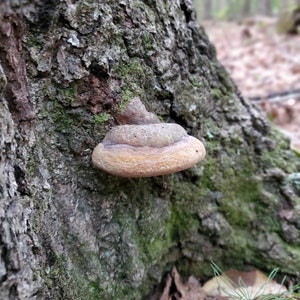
69,231
246,9
207,9
264,7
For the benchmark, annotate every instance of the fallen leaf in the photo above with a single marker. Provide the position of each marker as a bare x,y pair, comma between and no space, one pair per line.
175,288
248,284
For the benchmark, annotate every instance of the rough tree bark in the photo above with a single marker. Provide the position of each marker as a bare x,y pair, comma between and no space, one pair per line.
69,231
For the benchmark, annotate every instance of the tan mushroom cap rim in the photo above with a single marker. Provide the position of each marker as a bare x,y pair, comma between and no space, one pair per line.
146,161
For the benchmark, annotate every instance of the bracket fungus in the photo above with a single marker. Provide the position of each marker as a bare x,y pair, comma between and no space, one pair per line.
145,150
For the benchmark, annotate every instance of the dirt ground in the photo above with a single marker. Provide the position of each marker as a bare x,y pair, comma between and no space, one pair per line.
266,67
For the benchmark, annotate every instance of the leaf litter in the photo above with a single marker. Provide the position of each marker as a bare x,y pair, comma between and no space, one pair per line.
266,67
233,284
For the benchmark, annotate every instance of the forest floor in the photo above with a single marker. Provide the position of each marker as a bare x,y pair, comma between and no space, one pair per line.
230,285
266,67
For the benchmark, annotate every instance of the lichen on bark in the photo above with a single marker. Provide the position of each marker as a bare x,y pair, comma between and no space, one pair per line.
72,232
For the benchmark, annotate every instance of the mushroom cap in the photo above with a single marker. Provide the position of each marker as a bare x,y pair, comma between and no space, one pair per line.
151,154
152,135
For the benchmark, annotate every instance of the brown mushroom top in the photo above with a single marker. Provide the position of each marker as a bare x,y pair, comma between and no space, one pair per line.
136,113
154,135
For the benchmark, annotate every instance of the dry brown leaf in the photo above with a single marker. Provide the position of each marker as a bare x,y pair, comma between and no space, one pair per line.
234,283
190,290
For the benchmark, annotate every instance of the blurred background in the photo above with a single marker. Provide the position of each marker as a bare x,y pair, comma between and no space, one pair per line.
238,9
258,42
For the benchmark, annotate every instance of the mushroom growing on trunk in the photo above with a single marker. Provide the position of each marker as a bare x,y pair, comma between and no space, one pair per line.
145,150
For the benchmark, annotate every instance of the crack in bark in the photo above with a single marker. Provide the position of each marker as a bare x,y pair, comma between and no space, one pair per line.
14,65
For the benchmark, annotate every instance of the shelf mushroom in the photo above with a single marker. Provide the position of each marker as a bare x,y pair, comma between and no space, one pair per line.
146,150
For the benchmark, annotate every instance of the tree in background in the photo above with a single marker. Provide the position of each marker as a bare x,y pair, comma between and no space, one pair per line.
238,9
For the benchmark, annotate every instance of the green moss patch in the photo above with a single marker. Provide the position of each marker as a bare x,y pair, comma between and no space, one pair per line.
61,119
133,79
101,118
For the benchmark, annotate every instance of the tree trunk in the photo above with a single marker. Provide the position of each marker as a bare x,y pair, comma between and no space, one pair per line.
207,9
265,7
70,231
246,9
